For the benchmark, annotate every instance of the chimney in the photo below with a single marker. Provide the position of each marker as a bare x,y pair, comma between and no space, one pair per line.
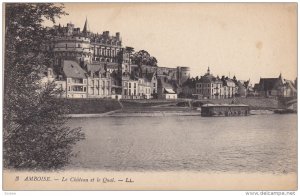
106,33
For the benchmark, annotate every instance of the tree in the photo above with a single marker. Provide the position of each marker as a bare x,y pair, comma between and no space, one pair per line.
143,57
35,132
129,50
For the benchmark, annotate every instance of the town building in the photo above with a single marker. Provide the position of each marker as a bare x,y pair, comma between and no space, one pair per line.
270,87
76,80
289,89
165,88
99,81
228,89
209,87
130,89
243,87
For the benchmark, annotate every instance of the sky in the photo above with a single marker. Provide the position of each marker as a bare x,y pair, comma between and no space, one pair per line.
242,39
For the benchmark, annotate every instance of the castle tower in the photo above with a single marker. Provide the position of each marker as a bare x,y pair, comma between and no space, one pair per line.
183,73
74,45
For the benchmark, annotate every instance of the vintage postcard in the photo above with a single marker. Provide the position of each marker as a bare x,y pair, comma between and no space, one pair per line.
150,96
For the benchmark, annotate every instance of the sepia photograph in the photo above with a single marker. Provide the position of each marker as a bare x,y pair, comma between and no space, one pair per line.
150,96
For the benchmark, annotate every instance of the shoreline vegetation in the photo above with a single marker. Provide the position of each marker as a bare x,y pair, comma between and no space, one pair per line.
179,107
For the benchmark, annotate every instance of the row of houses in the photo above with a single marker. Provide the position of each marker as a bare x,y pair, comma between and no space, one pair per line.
95,81
88,65
211,87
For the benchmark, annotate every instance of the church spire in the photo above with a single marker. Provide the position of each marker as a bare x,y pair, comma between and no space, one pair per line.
85,28
208,70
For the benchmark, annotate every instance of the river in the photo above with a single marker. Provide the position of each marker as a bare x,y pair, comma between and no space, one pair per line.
257,143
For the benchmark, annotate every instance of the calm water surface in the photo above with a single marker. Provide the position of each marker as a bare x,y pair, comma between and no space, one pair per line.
258,143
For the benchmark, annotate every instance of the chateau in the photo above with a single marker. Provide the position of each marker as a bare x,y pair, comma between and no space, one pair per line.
93,65
89,65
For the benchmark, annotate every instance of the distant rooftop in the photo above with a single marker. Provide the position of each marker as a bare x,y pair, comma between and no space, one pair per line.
73,70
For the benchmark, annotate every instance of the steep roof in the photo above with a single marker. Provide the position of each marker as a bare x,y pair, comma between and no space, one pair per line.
148,76
209,78
95,68
290,84
73,70
86,27
269,83
164,84
169,90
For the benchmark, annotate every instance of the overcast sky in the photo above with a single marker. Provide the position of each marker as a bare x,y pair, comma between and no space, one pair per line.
248,40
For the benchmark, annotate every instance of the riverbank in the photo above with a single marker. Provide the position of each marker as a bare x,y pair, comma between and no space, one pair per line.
103,107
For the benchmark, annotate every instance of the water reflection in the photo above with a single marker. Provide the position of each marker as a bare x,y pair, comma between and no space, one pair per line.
263,143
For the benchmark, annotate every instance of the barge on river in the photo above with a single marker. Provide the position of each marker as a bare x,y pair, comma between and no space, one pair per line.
225,110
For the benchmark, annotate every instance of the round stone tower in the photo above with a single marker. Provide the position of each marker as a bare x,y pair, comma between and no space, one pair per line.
76,48
183,73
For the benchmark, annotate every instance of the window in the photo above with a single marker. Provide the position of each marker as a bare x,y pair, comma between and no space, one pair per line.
134,85
69,88
129,85
84,89
77,88
154,85
69,80
77,80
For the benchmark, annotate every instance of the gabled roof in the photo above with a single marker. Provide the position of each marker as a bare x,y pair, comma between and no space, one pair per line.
72,69
163,83
227,80
169,90
148,76
290,84
269,83
209,78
